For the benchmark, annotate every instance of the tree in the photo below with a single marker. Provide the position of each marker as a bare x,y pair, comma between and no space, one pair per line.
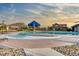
69,29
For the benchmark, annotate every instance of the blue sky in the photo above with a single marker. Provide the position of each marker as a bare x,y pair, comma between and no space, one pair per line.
45,13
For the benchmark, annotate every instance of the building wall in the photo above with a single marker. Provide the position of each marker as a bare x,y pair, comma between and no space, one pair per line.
59,27
75,29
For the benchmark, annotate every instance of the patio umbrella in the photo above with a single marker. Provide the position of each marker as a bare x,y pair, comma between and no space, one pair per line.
34,24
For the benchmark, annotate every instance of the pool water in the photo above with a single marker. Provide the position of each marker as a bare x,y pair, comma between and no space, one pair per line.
50,32
64,33
23,35
57,33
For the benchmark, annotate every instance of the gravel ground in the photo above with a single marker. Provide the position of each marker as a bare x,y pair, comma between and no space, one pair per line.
12,52
71,50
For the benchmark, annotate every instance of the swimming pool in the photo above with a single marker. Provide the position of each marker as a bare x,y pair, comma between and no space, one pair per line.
39,35
63,33
49,32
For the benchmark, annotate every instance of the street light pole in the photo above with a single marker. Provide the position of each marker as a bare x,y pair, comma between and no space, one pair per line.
33,28
2,26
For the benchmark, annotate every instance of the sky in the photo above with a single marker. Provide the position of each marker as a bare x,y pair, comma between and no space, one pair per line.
44,13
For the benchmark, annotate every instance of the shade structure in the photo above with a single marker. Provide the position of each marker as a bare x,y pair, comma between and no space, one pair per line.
34,24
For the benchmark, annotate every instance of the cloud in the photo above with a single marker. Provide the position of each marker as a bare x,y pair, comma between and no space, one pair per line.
49,4
60,4
13,11
36,12
42,11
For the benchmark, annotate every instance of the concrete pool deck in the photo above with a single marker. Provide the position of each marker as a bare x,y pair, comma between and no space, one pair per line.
31,51
34,43
39,47
62,40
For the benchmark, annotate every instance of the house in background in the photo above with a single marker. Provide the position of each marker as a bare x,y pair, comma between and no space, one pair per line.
59,27
75,28
16,26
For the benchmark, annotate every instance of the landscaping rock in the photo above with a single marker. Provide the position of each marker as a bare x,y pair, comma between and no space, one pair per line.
72,50
12,52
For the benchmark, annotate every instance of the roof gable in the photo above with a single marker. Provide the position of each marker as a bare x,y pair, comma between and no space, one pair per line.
34,23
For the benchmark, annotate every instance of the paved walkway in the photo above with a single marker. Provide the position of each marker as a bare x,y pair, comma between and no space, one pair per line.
42,52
